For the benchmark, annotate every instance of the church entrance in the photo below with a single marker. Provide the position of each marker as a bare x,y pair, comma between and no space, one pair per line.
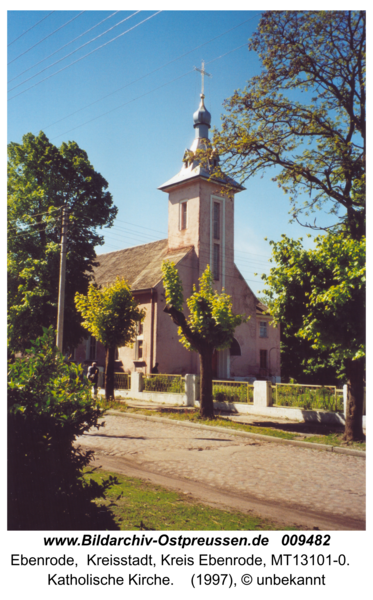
221,364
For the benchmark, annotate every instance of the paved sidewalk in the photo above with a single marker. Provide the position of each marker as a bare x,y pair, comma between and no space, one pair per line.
304,479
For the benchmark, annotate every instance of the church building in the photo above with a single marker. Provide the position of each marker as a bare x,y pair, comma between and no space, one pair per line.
200,233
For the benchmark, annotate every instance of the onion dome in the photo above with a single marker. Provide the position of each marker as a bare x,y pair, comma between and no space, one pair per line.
202,120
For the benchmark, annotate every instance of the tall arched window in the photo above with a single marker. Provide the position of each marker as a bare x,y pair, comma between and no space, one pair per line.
235,349
92,348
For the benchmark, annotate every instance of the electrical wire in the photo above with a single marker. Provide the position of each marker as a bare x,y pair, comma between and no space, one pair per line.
32,27
202,257
22,230
33,232
116,230
47,36
88,54
64,46
46,212
226,54
148,74
165,234
137,98
76,50
242,256
203,254
230,277
125,104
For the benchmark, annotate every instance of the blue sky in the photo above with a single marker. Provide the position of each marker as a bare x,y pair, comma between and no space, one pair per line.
129,104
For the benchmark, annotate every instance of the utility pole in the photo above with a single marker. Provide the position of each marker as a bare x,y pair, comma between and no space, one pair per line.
61,288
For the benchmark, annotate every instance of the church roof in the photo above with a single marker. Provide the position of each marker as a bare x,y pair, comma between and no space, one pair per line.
188,173
140,265
261,309
192,168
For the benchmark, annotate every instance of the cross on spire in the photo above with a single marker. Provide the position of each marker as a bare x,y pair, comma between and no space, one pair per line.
203,73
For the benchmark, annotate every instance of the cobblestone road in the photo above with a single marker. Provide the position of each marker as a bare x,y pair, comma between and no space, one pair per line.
315,480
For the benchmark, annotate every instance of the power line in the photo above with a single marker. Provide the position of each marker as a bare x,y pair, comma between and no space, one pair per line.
125,104
85,56
46,212
204,257
205,253
231,277
150,73
240,255
32,27
26,231
132,100
226,54
64,46
134,235
165,233
47,36
113,230
73,52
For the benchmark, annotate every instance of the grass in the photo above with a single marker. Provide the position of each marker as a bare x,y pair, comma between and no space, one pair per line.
336,439
308,398
232,392
138,505
193,416
164,384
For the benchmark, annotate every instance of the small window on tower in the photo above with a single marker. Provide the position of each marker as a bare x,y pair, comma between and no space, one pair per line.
216,261
183,215
217,220
263,359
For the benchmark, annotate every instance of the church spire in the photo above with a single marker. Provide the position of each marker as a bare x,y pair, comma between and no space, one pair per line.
202,117
192,167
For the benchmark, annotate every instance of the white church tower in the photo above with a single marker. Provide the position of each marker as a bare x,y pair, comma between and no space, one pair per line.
200,212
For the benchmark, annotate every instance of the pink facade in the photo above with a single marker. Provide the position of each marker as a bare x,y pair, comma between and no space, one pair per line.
200,233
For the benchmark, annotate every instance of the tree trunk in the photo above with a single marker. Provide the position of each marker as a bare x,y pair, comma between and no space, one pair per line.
109,372
206,402
355,400
205,352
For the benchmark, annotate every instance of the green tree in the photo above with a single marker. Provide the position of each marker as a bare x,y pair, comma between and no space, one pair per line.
304,114
41,180
49,406
210,324
110,314
327,287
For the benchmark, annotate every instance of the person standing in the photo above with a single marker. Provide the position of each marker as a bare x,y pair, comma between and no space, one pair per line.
93,376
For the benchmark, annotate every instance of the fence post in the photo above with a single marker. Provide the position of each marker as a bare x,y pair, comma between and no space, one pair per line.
345,400
262,393
101,377
191,389
136,382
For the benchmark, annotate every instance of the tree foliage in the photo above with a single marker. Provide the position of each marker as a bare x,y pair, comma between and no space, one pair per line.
49,405
209,325
304,114
41,180
318,296
110,314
